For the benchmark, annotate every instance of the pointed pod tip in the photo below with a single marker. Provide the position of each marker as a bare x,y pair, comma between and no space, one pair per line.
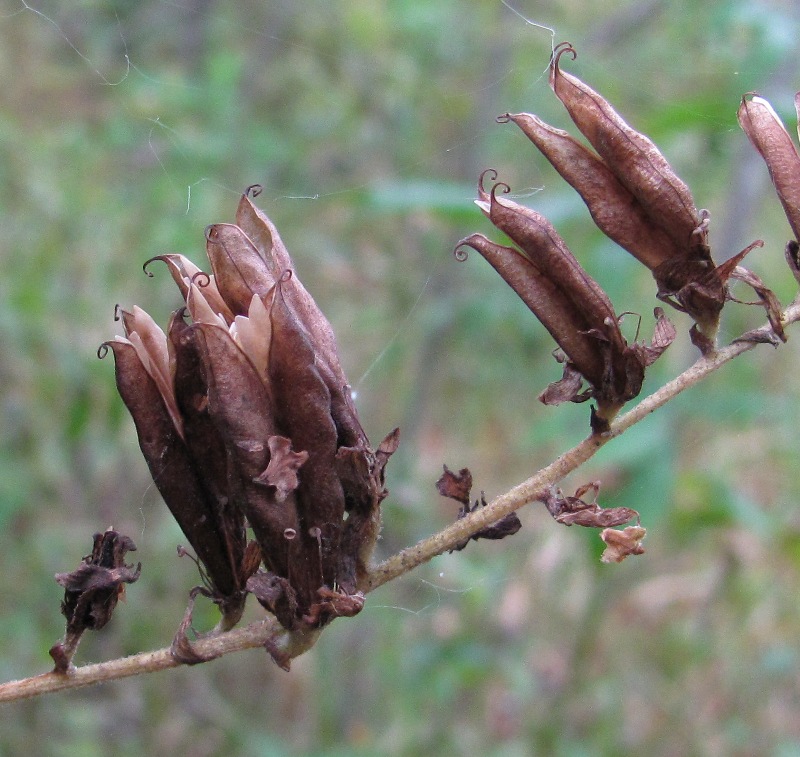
460,253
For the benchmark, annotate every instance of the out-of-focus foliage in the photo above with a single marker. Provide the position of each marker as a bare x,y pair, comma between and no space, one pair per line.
128,127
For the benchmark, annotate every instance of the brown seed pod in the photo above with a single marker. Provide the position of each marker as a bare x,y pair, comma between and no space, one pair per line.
766,132
632,156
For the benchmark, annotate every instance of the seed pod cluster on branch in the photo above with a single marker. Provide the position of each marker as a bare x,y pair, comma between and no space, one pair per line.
638,201
245,418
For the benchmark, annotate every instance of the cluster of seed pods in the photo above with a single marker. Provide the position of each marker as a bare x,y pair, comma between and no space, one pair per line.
638,201
245,418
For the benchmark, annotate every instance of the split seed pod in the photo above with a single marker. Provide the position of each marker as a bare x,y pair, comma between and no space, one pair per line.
634,197
245,418
570,305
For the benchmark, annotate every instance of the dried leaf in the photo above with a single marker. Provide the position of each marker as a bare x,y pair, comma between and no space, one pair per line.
283,466
575,511
457,486
181,648
767,298
508,525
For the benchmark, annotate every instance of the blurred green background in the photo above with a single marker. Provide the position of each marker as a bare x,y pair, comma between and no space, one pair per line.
128,127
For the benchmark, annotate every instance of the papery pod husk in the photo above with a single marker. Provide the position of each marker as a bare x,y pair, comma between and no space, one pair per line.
302,405
541,243
176,479
613,207
260,229
632,156
151,344
240,408
266,239
766,132
184,273
203,442
239,269
557,313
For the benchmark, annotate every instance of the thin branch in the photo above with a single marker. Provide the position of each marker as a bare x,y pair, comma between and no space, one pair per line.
538,484
269,633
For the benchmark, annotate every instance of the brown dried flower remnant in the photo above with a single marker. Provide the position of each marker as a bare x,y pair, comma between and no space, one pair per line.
245,418
92,592
580,510
622,544
458,486
576,511
635,198
570,305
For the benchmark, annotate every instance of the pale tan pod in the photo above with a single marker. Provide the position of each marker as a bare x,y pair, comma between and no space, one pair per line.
766,132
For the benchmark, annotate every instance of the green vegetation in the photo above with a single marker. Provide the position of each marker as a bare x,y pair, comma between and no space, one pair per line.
128,127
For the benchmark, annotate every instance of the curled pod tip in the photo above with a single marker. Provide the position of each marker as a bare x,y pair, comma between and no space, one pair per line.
146,263
459,253
483,195
559,50
502,186
201,279
253,191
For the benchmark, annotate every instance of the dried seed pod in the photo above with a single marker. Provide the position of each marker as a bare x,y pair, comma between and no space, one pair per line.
260,229
239,270
635,198
302,406
614,208
540,242
245,412
546,301
217,540
632,156
569,303
766,131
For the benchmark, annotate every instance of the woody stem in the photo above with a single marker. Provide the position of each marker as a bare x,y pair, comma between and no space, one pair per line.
260,633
